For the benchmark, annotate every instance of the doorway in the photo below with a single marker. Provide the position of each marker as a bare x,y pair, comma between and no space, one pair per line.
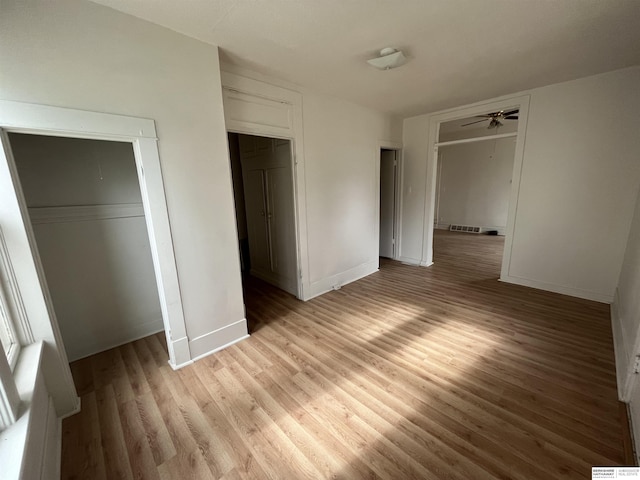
479,113
475,158
85,208
19,239
264,196
388,202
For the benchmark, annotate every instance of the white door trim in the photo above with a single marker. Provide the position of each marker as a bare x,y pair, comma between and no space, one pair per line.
141,133
292,131
522,102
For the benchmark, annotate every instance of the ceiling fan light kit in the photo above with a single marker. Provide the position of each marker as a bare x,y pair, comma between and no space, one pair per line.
389,58
495,118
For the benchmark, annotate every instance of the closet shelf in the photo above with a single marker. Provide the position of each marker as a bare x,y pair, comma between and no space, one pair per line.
83,213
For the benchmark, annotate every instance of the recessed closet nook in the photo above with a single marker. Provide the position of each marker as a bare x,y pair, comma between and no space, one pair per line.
86,211
265,214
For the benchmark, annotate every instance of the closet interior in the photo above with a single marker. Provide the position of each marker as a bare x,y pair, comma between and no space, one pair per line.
84,203
264,199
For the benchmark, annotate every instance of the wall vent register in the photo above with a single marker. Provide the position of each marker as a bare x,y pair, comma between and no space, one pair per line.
465,228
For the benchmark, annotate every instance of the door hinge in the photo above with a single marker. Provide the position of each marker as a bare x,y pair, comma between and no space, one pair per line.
636,364
300,273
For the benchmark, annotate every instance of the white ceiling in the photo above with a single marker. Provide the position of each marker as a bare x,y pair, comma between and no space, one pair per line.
459,51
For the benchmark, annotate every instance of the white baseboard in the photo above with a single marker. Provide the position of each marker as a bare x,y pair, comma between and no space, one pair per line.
218,339
120,338
287,285
336,281
409,260
71,413
222,347
179,354
550,287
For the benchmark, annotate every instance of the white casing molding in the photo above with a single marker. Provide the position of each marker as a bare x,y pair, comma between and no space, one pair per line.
521,102
335,282
45,120
258,108
397,229
550,287
626,347
622,356
30,448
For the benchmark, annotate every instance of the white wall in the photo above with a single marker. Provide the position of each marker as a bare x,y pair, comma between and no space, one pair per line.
342,148
577,193
337,147
474,183
80,55
62,172
413,188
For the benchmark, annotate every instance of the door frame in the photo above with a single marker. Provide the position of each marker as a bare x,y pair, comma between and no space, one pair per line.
17,117
397,208
521,102
298,286
287,105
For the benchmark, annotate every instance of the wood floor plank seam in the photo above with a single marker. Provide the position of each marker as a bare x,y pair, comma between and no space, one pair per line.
415,373
476,404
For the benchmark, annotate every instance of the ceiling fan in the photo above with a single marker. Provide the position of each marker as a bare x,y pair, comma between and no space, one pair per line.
495,118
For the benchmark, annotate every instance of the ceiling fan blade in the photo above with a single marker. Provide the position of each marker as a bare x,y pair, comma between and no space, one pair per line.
511,117
477,121
511,112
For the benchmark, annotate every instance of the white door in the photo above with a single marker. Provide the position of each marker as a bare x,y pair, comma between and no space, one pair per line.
281,226
256,209
387,201
269,201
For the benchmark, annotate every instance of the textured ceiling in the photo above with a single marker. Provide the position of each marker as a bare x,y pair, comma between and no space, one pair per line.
459,51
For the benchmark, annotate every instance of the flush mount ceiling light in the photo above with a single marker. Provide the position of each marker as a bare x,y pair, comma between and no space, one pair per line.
389,58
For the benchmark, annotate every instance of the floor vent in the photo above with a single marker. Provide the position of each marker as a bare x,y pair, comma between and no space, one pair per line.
465,228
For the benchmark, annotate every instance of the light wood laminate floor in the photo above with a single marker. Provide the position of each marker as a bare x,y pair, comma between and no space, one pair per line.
425,373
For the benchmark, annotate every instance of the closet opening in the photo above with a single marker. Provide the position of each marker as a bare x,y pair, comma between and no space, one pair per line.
86,211
263,188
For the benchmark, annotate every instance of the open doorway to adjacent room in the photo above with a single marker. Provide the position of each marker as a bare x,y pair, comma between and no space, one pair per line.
389,177
474,170
263,188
